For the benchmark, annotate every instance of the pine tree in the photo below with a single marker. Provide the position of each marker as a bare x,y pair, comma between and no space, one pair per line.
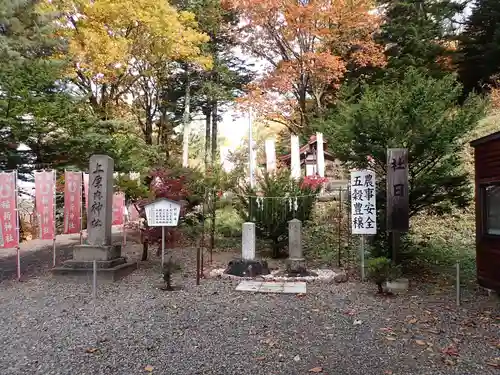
479,59
420,34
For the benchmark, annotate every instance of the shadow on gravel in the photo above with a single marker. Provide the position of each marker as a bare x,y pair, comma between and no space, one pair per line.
34,262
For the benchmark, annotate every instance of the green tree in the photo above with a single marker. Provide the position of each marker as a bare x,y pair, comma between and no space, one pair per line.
479,59
419,113
277,200
419,33
39,112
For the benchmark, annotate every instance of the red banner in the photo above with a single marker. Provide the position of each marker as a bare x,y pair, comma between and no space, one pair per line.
72,202
45,187
8,215
86,188
118,208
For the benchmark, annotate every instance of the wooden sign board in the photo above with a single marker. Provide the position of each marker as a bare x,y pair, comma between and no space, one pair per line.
163,213
363,202
397,190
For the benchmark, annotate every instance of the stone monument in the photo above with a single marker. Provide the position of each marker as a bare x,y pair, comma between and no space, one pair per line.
99,245
296,264
247,266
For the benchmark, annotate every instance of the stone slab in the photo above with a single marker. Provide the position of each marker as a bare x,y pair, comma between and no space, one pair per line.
272,287
249,286
87,253
103,274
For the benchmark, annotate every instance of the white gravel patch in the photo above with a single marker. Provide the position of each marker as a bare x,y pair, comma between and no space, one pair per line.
324,275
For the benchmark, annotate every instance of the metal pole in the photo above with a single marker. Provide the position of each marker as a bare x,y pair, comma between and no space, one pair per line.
94,281
198,256
81,210
250,150
54,256
18,248
124,219
458,283
362,257
340,227
162,246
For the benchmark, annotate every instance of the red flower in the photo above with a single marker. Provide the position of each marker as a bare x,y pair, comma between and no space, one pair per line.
313,182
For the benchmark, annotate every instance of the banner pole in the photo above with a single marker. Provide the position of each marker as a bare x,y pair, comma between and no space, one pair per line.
18,247
54,256
81,208
124,222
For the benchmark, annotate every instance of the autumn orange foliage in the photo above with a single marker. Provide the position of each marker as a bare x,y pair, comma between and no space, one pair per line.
309,46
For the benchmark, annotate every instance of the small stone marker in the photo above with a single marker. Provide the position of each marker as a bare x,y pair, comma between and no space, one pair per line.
248,241
295,263
247,265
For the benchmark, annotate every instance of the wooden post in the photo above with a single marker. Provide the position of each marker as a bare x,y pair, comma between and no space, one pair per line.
397,196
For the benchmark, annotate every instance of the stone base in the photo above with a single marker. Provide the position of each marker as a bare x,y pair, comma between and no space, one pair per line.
107,270
296,267
247,268
87,253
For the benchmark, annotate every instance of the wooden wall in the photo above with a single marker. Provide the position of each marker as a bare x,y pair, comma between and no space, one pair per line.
487,171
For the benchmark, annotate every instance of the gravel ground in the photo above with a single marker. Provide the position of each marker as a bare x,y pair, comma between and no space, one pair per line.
52,327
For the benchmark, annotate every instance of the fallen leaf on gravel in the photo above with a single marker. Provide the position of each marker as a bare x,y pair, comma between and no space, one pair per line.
450,350
149,368
449,362
316,369
91,350
420,342
435,331
357,322
494,363
260,358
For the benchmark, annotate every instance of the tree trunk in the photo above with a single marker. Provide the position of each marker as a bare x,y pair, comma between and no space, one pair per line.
148,132
185,121
145,248
214,161
214,133
208,117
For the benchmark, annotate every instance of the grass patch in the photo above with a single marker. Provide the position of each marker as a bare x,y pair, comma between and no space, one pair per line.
435,243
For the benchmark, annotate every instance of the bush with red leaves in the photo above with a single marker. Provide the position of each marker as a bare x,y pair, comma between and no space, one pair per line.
165,184
313,183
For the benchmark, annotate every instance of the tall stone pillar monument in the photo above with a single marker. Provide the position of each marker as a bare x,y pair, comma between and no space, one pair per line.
295,157
99,245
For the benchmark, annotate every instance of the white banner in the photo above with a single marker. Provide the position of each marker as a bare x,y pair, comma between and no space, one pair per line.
363,202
